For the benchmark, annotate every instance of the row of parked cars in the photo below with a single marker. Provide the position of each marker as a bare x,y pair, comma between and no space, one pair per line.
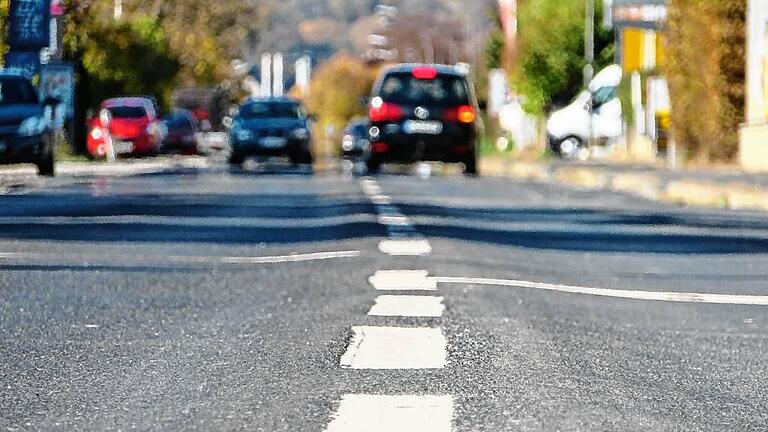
132,126
416,113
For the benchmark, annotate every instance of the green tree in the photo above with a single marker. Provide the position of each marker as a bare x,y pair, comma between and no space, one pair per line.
706,72
4,6
550,60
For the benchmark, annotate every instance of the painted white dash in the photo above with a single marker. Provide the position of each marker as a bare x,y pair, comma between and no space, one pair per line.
405,247
393,219
381,200
402,280
408,306
401,413
396,348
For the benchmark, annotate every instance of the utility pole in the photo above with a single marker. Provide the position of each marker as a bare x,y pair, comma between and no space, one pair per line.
589,57
589,42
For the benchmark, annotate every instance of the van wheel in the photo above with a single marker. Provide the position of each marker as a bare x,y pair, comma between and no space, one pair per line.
574,148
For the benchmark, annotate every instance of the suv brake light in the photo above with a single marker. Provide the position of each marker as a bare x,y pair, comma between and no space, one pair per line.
381,111
425,73
463,114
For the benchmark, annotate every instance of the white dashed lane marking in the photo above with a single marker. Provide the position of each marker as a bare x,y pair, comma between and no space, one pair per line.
381,200
405,247
674,297
393,219
395,348
404,413
402,280
408,306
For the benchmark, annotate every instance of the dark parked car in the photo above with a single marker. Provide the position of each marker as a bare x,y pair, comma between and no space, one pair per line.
181,129
355,144
26,135
271,127
423,113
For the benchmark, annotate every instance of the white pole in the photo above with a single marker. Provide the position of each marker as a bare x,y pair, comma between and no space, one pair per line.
278,88
118,9
266,75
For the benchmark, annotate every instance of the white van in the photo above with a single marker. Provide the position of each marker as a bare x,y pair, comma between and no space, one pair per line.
569,129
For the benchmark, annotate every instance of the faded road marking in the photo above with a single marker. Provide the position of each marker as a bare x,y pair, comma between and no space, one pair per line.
405,247
402,280
404,413
396,348
408,306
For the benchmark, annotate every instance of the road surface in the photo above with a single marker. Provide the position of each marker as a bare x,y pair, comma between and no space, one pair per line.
278,300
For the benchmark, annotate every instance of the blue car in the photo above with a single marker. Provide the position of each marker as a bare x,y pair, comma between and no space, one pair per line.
25,132
271,127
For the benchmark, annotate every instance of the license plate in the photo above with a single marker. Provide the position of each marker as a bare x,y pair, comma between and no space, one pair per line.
122,147
273,142
423,127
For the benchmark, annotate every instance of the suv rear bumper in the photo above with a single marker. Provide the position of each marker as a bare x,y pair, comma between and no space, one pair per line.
254,148
415,148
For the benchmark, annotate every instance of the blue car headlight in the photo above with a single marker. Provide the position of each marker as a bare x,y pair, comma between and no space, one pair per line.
32,126
300,134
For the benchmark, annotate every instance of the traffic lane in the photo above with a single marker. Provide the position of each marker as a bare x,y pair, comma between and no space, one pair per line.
119,333
583,238
561,361
195,348
222,208
544,360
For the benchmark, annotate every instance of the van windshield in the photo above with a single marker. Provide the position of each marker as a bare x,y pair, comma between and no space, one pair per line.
444,90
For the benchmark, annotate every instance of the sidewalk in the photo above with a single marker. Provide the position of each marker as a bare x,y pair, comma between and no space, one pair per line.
20,175
729,189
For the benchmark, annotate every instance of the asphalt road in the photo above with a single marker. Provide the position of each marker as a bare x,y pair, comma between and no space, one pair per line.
215,300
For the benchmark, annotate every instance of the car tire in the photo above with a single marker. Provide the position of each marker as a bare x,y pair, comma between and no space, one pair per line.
470,166
46,163
373,166
236,159
302,159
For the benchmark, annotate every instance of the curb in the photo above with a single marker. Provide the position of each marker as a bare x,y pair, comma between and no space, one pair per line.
687,191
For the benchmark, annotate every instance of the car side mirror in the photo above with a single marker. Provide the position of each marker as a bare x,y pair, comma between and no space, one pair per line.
589,106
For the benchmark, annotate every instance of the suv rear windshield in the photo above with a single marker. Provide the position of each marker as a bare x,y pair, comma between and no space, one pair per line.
15,91
444,90
128,112
257,110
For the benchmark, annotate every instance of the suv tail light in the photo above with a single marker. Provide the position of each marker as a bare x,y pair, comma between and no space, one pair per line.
463,114
381,111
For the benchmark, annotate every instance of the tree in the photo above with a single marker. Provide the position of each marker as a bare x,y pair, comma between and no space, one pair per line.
550,58
336,90
706,72
4,6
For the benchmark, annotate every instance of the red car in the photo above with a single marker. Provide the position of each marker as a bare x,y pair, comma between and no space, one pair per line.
131,124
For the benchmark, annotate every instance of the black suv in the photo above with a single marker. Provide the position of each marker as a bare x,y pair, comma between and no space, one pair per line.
271,127
25,132
423,113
